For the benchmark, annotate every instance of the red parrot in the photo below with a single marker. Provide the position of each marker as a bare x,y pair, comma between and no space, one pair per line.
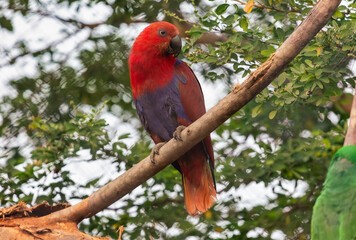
167,94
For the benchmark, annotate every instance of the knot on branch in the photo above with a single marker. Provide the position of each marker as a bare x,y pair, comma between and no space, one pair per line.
257,75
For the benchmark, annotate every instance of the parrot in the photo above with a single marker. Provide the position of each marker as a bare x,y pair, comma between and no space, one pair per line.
168,97
334,212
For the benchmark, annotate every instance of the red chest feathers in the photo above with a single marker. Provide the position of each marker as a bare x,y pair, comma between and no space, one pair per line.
148,74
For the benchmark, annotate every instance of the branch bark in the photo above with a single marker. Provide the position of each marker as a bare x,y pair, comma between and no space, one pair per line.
197,131
350,138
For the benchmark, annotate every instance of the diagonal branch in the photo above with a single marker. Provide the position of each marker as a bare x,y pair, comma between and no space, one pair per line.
197,131
350,138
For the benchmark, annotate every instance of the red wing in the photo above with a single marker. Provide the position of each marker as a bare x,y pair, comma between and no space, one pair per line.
192,99
190,91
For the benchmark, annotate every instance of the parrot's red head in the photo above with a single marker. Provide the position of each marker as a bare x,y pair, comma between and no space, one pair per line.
158,39
153,56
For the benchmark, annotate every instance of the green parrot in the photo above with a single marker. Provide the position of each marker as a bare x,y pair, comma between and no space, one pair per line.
334,213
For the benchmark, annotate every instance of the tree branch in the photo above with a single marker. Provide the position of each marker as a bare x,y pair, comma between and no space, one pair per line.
79,25
76,22
206,38
350,138
13,59
197,131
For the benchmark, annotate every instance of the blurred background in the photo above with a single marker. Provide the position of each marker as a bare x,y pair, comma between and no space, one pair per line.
68,125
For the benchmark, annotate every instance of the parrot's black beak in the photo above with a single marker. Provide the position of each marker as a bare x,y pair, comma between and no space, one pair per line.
175,46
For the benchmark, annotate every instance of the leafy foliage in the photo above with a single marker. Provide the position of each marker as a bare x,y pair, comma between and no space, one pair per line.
283,139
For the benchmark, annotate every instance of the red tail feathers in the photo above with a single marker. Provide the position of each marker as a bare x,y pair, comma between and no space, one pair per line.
199,197
198,183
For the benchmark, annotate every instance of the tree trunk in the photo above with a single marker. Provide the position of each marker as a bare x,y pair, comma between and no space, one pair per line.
22,223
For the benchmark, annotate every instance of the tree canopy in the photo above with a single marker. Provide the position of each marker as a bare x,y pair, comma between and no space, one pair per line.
57,113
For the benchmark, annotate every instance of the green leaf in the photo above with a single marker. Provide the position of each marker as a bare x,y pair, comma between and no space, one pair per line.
256,110
289,99
337,14
318,73
319,84
92,182
281,78
229,20
280,33
123,136
272,114
305,78
6,23
302,68
325,80
210,59
221,8
243,23
309,63
327,143
269,162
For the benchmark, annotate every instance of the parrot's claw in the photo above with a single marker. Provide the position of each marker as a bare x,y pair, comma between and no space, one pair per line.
178,133
155,151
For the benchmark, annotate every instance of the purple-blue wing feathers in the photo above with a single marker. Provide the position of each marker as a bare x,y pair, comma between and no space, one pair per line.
179,102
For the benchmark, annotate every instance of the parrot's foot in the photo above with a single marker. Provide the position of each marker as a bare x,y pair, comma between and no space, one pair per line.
155,151
178,133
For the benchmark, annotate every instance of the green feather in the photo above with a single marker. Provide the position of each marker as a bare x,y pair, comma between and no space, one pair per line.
334,213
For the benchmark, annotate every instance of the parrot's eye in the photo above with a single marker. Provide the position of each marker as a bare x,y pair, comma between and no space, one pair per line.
162,32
